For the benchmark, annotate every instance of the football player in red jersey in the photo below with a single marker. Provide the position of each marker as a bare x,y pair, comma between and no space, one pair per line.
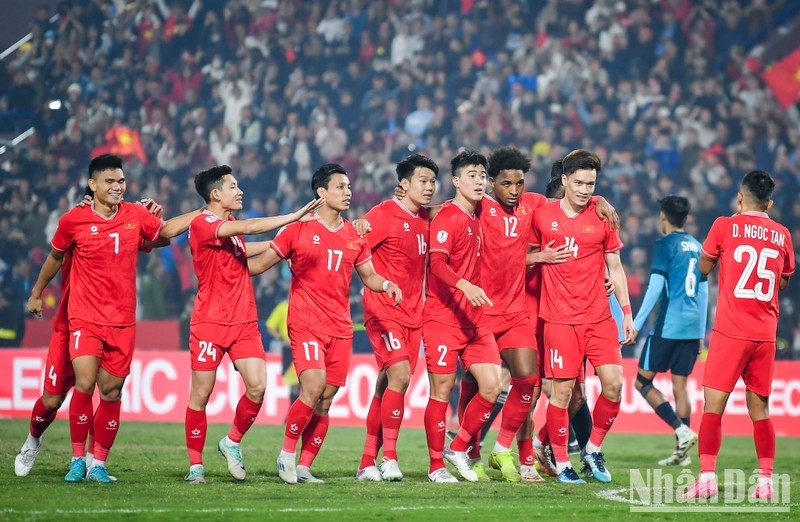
399,243
455,326
323,254
59,375
575,309
105,239
756,259
224,318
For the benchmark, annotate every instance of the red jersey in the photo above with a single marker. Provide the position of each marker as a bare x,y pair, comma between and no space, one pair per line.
507,233
322,262
104,258
399,244
573,292
456,233
224,290
754,253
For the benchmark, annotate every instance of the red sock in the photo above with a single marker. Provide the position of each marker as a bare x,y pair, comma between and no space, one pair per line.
296,422
313,437
371,446
543,435
525,449
392,411
196,427
41,418
604,414
558,428
246,414
435,424
468,390
764,437
710,441
80,418
476,414
106,427
516,409
90,446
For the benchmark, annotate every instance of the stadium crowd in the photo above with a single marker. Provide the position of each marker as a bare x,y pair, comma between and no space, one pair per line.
668,93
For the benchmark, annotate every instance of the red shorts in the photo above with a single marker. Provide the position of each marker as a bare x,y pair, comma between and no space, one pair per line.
730,358
316,351
208,342
566,347
445,344
59,375
513,331
393,342
113,345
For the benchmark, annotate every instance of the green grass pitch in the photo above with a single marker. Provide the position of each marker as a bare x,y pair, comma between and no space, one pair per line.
150,460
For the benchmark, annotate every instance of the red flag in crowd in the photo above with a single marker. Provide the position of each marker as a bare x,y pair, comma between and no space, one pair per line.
123,142
784,79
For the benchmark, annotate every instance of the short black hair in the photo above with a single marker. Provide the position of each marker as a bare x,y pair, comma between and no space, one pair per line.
467,157
676,209
208,180
579,160
104,162
323,175
759,185
555,189
507,158
405,169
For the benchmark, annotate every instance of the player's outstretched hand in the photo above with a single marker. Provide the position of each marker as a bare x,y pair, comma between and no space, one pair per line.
609,284
35,306
87,200
393,291
474,294
555,256
152,207
304,214
362,227
635,336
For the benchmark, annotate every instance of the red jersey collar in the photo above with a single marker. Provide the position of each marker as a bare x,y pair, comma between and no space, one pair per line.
465,211
107,218
400,204
567,212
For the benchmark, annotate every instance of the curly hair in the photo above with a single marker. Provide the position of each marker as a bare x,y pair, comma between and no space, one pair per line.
507,158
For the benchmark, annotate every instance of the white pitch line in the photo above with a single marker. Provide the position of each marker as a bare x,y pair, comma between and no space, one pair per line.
615,495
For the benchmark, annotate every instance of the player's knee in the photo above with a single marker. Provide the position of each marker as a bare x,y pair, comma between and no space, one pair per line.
399,377
577,398
52,402
111,395
255,392
643,384
491,391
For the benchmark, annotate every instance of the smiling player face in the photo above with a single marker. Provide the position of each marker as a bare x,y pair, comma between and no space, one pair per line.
108,187
579,187
420,187
229,193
